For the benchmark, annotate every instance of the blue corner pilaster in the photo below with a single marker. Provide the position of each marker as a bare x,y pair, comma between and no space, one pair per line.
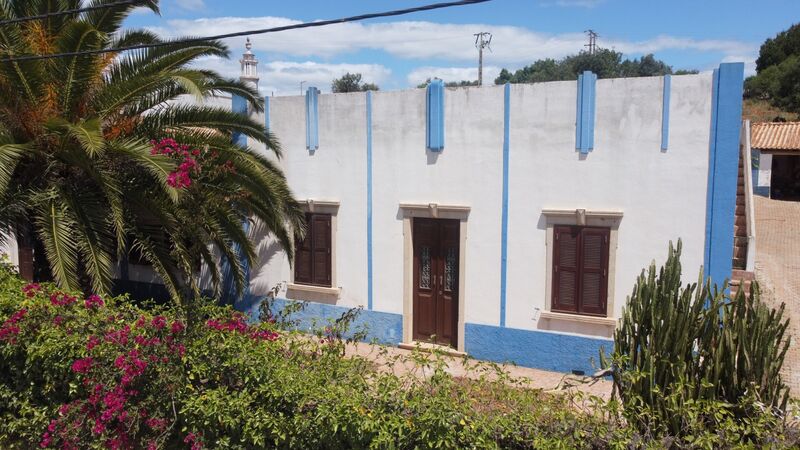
665,112
434,102
723,168
585,111
229,294
369,200
504,214
239,106
312,118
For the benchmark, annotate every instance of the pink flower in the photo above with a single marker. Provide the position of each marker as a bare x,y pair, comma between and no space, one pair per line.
46,440
94,301
92,342
62,299
172,179
82,365
58,320
159,322
176,327
99,427
31,289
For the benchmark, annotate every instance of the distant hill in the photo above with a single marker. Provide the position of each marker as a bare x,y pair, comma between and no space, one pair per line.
757,110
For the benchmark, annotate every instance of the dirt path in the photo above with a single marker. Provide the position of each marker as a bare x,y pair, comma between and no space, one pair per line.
778,269
397,360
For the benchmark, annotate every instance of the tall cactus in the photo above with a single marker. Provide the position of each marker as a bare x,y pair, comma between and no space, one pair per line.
677,344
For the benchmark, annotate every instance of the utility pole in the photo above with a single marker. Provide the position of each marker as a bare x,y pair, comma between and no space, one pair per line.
592,41
482,40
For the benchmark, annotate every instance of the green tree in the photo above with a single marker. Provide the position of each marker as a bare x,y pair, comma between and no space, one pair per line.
605,63
775,50
81,179
351,82
462,83
777,78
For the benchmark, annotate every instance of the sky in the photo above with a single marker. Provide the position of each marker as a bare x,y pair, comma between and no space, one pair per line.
401,52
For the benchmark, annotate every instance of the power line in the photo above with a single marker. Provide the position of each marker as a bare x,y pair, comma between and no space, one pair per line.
397,12
68,11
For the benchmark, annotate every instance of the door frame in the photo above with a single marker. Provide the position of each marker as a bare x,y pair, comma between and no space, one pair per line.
408,211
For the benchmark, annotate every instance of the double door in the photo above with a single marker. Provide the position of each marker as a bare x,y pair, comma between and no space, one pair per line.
436,260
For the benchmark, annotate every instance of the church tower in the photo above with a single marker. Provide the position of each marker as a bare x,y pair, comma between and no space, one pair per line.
249,64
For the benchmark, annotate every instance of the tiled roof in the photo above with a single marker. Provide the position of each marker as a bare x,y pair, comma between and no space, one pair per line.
775,136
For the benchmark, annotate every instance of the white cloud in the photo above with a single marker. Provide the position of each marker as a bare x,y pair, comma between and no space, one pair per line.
284,77
190,4
433,41
419,75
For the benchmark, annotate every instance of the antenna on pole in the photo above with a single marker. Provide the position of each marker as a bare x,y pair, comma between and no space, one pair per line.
482,40
592,41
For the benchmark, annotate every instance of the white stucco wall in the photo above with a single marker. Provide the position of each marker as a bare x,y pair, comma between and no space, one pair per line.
662,194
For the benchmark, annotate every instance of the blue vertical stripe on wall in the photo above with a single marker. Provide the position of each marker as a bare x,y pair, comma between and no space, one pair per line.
723,169
369,200
312,118
238,106
504,224
434,102
665,112
585,112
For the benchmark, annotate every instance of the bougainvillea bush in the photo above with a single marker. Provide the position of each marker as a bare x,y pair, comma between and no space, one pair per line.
89,372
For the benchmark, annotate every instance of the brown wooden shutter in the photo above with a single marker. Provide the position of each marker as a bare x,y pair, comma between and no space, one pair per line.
313,254
303,255
322,250
565,269
593,271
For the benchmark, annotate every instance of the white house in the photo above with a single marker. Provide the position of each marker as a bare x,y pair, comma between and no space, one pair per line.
506,222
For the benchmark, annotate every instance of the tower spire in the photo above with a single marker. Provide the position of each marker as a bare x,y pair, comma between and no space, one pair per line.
249,65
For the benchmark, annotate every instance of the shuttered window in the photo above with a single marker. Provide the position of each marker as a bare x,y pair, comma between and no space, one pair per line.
313,254
580,270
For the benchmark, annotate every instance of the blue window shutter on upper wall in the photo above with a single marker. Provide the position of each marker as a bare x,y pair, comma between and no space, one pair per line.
585,111
434,138
312,118
665,113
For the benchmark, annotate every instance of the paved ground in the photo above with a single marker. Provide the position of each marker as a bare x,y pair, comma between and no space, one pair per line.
778,269
398,360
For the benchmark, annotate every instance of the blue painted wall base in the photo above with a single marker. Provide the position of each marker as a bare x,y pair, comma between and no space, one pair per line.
537,349
381,327
527,348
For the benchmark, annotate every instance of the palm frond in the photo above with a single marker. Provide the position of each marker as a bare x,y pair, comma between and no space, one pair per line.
184,118
55,228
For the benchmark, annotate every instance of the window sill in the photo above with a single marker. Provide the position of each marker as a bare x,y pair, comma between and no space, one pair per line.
307,288
594,320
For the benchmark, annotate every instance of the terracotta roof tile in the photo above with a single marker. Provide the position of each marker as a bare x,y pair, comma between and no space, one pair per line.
775,136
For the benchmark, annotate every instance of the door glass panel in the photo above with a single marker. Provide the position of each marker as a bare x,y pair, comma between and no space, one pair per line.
450,269
425,268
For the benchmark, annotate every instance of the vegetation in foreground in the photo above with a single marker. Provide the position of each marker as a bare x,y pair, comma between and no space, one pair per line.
91,372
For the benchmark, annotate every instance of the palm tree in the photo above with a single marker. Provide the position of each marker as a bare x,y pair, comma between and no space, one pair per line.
98,159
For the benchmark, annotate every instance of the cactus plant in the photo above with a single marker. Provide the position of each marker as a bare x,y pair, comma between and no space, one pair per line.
677,345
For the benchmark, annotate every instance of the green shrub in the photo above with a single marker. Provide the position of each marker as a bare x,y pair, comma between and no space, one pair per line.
101,373
692,363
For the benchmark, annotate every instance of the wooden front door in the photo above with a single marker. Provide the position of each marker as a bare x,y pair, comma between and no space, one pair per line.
436,258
